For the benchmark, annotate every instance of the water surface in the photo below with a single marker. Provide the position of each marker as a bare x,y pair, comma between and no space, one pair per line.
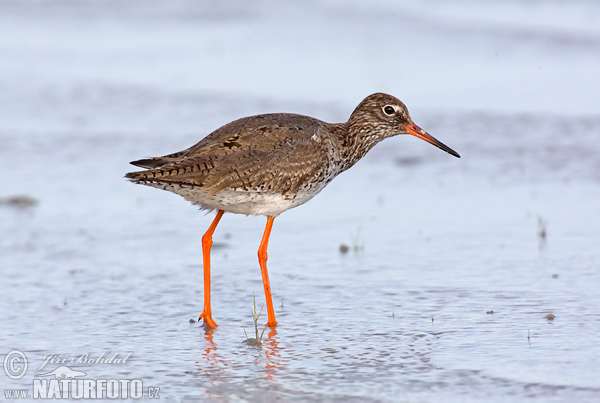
453,264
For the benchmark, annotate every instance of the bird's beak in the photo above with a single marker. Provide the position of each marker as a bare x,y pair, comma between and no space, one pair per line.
423,135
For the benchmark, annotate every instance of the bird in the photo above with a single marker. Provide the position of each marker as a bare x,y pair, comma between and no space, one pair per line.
269,163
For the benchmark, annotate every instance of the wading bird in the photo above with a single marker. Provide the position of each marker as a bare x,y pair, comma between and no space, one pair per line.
267,164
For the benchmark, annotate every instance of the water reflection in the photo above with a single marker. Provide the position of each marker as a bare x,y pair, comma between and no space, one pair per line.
211,366
272,355
211,358
215,363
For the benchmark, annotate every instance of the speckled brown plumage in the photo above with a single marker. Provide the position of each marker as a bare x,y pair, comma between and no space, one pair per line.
267,164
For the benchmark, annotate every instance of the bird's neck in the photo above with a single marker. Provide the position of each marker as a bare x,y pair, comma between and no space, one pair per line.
355,141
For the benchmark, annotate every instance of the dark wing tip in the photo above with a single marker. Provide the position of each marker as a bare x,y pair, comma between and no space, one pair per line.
148,163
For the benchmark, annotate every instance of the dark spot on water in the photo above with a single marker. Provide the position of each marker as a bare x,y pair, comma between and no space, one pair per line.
490,312
542,232
344,249
550,316
407,161
19,201
192,321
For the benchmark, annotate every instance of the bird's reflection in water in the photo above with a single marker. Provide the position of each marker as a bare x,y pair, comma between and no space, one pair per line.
211,360
266,356
212,366
272,355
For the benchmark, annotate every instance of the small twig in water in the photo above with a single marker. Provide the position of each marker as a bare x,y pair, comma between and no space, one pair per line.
356,241
257,341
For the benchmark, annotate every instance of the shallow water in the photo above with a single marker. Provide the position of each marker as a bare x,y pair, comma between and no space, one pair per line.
436,244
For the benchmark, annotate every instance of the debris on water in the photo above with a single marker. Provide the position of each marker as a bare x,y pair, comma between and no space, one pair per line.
542,232
550,316
220,245
253,342
19,201
541,228
555,275
192,321
407,161
490,312
344,249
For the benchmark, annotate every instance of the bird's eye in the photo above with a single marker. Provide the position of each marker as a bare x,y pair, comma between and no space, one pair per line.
389,110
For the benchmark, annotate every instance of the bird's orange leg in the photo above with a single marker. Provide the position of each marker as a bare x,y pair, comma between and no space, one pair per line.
262,260
206,244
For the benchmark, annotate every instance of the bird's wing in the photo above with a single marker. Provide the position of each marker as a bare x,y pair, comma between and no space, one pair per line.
256,155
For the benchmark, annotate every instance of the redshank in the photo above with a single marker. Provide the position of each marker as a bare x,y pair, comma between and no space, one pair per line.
267,164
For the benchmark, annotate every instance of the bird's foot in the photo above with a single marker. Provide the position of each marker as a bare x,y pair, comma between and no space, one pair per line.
208,320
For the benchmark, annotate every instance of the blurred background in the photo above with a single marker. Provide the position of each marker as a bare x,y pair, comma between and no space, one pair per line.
90,262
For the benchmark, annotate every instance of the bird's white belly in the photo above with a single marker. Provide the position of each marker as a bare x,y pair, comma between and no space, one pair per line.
238,201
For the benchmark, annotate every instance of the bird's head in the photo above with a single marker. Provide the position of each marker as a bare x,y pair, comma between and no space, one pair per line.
381,115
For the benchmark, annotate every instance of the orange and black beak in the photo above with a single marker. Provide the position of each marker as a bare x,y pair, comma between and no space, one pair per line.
423,135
